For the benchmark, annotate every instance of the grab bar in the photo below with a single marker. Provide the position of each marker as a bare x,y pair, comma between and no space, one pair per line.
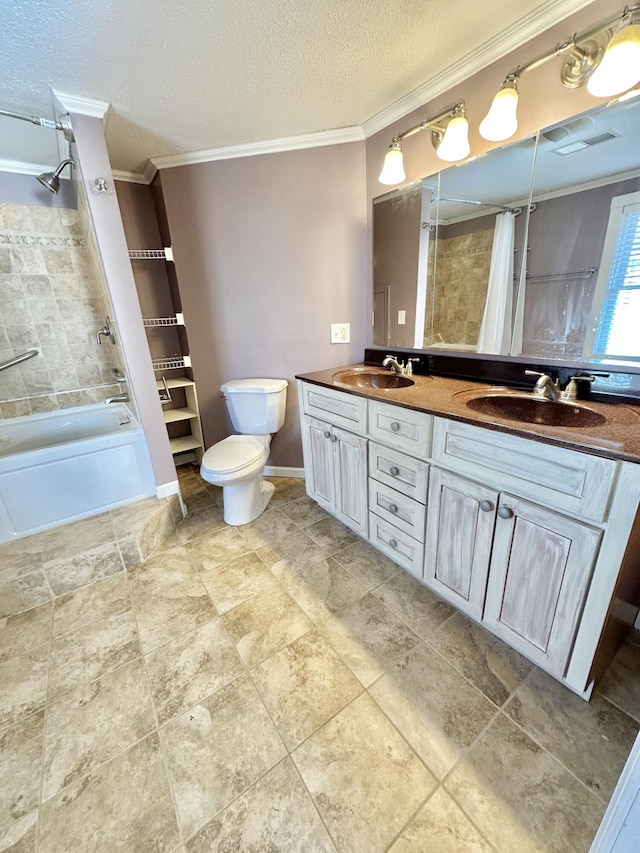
18,358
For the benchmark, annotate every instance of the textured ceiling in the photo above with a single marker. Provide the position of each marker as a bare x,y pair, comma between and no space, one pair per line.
196,74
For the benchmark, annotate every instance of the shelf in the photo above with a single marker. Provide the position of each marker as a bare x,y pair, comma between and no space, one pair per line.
176,382
165,254
182,445
154,322
173,415
174,362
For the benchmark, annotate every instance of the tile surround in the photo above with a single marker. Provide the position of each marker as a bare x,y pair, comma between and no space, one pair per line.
298,718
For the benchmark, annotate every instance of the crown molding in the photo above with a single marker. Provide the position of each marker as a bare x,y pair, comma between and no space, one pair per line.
129,177
149,172
81,106
269,146
534,24
18,168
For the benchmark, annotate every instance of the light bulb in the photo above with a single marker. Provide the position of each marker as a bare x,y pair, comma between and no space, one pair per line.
620,66
455,142
501,121
393,168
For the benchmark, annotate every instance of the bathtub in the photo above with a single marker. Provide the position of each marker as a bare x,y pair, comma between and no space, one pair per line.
61,466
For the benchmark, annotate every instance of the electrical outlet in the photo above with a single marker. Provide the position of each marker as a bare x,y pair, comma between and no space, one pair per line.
402,318
340,333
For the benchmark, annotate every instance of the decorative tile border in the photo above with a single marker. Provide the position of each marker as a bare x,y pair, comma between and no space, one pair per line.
11,238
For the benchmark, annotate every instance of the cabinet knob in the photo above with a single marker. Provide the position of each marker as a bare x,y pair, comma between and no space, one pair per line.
486,506
394,471
393,508
395,426
334,438
327,434
393,543
505,512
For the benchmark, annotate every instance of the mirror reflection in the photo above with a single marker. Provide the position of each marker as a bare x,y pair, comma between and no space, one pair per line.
531,250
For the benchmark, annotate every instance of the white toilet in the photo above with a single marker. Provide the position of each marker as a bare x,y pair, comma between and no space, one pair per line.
257,408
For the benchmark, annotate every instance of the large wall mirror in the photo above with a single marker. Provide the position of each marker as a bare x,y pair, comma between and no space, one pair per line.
531,250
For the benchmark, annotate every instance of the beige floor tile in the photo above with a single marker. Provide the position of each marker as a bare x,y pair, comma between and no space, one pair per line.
124,805
92,652
89,726
217,549
166,568
237,581
20,836
366,564
365,779
266,623
78,537
205,522
422,610
70,573
23,593
441,827
321,588
331,535
368,638
20,771
304,511
296,550
593,739
190,668
486,661
275,814
621,682
287,489
90,604
433,707
303,685
198,499
217,750
23,677
25,630
520,797
268,528
24,556
133,517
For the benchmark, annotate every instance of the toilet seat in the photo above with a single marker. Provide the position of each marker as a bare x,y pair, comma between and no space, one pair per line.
234,453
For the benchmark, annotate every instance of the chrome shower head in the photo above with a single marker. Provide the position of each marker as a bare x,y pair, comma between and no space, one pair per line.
51,180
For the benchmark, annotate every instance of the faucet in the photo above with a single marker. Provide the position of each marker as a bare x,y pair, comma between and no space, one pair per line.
117,398
545,386
396,366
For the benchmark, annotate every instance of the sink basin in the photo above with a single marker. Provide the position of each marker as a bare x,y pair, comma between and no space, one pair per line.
535,410
364,378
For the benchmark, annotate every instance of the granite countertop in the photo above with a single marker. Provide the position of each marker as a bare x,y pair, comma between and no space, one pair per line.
617,438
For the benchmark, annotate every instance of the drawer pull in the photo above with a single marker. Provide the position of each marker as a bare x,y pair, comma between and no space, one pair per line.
486,506
327,434
505,512
393,543
395,426
393,508
334,438
394,470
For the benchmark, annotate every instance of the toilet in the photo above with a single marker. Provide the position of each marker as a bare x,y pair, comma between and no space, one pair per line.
257,408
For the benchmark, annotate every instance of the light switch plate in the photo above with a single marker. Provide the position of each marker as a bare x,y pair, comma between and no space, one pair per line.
402,318
340,333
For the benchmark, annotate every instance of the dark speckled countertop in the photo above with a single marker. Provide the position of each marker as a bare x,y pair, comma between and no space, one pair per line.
617,438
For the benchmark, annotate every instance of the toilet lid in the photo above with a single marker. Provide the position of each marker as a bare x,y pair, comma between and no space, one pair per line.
233,453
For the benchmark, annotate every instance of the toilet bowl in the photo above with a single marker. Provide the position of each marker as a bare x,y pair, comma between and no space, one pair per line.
237,463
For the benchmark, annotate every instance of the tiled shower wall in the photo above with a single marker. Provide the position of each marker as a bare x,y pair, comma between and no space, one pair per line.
52,296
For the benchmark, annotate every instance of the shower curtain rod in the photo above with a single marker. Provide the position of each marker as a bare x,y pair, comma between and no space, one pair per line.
43,122
516,210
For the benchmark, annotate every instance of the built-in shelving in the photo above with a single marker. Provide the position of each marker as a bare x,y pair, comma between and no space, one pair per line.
177,362
165,254
155,322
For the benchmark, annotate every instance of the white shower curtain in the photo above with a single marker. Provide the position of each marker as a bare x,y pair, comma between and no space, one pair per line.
495,330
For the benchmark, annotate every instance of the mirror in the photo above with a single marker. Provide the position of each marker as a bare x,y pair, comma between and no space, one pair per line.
469,261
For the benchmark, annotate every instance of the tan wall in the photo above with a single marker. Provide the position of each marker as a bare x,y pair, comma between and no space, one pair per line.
269,250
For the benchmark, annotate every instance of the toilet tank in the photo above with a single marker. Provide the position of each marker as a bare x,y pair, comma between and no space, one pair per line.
256,406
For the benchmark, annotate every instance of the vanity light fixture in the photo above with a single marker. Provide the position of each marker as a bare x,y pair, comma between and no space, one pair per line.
609,64
449,136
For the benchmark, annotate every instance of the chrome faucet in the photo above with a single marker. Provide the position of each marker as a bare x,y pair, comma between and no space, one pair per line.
545,386
117,398
400,367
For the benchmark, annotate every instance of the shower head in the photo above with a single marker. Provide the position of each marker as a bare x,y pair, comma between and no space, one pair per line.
51,180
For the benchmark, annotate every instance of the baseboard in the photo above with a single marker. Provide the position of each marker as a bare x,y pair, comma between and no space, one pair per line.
168,489
279,471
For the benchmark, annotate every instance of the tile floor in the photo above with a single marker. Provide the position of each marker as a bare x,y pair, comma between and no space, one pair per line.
283,687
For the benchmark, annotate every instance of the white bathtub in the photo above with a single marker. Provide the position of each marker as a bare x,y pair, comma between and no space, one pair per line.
62,466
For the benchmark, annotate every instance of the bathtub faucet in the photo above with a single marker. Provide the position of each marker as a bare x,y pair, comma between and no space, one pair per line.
117,398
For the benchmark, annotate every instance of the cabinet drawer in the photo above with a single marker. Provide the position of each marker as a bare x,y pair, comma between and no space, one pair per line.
397,509
574,482
403,429
345,410
396,544
399,471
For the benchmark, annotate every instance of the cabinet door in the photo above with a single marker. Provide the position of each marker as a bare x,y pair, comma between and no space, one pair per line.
350,479
460,522
319,462
540,570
